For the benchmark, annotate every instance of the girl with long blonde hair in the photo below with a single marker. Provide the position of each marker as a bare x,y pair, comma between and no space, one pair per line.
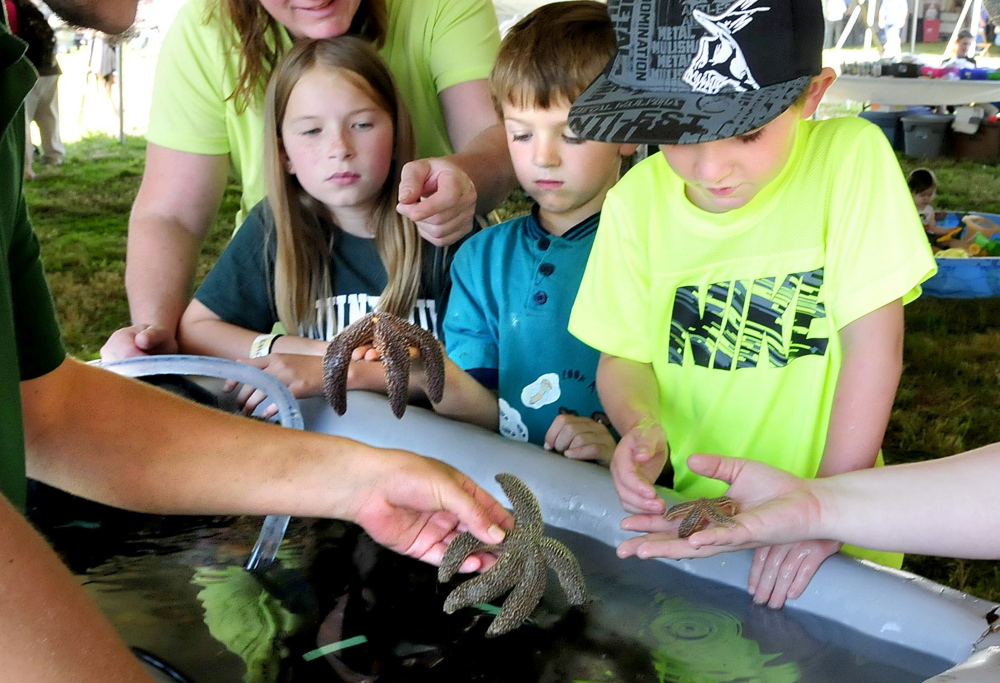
326,246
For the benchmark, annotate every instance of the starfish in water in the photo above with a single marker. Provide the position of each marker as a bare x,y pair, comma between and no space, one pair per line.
392,337
698,514
524,555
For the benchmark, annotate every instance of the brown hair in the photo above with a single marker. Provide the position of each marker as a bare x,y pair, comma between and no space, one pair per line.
553,54
302,259
920,180
260,40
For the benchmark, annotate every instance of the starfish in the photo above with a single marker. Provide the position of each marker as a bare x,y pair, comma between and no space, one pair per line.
524,556
698,514
392,337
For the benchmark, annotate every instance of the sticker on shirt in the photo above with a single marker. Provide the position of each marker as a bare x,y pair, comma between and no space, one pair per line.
511,424
542,391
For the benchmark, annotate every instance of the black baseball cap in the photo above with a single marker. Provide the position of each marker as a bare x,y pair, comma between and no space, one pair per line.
690,71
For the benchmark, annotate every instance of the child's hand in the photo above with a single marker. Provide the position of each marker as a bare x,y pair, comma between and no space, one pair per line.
637,462
780,572
580,438
302,374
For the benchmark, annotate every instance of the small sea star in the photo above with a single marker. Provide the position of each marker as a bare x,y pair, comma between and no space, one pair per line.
698,514
392,337
524,555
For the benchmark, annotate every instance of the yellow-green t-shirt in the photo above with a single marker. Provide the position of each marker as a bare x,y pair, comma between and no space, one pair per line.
430,46
738,313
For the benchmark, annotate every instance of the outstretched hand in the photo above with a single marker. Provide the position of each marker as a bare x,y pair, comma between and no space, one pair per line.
416,506
637,462
439,197
138,340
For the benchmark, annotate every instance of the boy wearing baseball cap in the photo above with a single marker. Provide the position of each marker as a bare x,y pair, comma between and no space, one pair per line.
746,286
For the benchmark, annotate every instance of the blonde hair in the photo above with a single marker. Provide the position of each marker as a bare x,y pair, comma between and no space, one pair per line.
553,54
258,37
302,261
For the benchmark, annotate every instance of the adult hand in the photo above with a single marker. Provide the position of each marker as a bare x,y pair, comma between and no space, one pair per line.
439,197
301,373
580,438
416,505
138,340
637,462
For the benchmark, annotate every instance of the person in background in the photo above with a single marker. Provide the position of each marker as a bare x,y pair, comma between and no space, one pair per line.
746,285
514,284
216,59
965,51
923,187
125,443
326,247
933,507
42,103
834,16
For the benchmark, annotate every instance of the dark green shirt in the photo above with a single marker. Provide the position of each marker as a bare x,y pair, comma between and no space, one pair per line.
239,287
30,344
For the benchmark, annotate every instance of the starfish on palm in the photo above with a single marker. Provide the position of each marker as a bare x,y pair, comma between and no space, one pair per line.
392,337
524,555
698,514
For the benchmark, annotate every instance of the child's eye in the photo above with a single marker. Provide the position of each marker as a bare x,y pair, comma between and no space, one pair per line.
573,140
363,125
752,136
311,131
520,137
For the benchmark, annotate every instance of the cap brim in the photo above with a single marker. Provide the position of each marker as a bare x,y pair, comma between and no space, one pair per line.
609,112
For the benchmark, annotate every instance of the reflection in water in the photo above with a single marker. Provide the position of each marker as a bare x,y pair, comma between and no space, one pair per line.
176,588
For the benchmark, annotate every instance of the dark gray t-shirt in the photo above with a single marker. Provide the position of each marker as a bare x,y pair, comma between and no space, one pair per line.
239,288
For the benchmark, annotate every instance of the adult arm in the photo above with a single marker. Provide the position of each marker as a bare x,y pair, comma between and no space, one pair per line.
866,386
933,507
630,396
189,459
442,195
177,201
49,628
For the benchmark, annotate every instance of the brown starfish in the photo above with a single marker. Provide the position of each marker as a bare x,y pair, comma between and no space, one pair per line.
698,514
392,337
521,567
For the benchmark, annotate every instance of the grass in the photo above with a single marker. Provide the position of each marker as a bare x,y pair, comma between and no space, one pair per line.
947,400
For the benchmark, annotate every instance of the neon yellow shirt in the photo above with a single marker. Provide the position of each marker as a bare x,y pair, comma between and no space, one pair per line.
430,46
738,313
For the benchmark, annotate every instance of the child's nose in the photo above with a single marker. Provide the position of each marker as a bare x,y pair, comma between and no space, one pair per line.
340,147
712,163
544,154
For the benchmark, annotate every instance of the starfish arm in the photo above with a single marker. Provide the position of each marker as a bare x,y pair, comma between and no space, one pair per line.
527,512
680,510
337,361
494,582
566,567
526,594
721,510
694,520
396,358
460,548
432,358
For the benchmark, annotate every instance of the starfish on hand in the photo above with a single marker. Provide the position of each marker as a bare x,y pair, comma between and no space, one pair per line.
392,337
524,556
698,514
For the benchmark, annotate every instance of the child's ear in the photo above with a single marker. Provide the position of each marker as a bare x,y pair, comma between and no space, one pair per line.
285,161
817,88
627,150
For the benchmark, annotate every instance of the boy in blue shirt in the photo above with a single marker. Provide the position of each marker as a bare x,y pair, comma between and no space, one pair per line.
746,287
513,284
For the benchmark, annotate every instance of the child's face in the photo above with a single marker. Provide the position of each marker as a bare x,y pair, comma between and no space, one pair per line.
337,142
567,175
313,18
723,175
963,47
924,199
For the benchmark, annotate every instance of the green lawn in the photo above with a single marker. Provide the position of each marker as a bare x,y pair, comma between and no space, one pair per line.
948,398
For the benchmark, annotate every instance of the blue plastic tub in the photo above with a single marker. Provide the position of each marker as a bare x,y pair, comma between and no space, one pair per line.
976,277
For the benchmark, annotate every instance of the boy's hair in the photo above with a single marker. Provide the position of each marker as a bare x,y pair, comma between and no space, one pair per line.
690,71
964,33
552,55
302,260
921,180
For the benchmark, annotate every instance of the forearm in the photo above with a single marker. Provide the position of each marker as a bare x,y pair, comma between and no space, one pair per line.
935,507
628,392
90,447
467,400
49,628
207,335
866,388
486,161
159,270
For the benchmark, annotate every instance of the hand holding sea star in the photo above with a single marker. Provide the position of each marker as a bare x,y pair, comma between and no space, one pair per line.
392,337
698,514
524,556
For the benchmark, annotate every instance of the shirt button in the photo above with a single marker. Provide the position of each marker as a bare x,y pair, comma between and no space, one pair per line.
546,269
540,298
543,243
